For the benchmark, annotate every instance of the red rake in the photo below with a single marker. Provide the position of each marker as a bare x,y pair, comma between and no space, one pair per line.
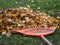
38,31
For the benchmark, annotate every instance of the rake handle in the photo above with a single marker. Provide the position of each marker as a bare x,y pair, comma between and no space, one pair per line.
46,40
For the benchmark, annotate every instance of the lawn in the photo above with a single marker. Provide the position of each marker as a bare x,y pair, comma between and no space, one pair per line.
51,7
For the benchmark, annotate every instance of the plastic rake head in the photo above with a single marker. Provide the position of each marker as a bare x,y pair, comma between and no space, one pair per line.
36,31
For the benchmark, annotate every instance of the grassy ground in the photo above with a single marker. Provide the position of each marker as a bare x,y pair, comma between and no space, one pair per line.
51,7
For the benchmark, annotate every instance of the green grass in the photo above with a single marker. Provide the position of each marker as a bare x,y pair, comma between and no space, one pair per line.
51,7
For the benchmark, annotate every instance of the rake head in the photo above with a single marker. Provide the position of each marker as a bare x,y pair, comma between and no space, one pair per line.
36,31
